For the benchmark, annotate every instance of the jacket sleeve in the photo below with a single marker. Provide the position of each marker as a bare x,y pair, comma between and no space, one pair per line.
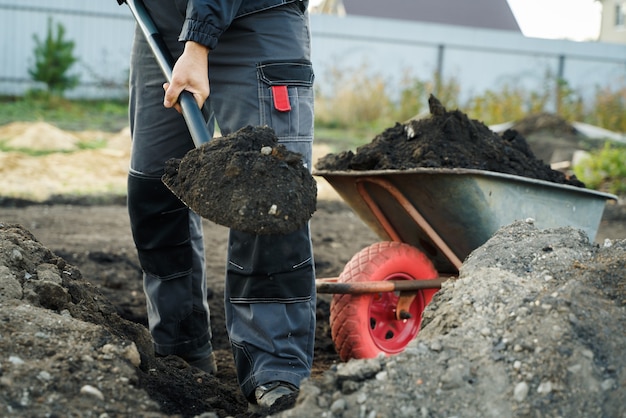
206,20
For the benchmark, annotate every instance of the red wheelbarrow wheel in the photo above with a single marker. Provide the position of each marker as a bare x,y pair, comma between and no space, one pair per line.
365,325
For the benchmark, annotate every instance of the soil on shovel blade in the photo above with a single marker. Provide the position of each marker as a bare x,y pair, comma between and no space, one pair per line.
245,181
447,139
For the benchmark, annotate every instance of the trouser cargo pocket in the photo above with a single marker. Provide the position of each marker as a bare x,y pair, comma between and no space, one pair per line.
286,103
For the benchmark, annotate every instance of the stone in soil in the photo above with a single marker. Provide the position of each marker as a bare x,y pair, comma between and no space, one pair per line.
246,181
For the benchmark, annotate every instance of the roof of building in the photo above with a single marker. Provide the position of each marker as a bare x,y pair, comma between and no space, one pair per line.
488,14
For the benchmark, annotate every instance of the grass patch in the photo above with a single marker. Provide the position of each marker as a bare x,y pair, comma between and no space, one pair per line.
69,115
80,146
92,145
341,139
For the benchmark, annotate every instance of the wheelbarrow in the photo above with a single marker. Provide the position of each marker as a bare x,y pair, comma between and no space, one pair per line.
429,221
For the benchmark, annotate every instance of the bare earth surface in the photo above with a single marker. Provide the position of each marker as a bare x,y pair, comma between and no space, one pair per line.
533,326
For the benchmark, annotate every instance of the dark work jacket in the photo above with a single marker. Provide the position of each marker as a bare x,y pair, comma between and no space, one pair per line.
206,20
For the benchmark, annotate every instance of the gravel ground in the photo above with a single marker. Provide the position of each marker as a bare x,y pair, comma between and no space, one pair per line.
533,327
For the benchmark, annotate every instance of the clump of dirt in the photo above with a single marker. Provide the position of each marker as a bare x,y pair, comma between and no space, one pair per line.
246,181
552,138
39,136
446,139
544,122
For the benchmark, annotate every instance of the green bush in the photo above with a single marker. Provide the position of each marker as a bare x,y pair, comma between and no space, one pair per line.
609,109
493,107
54,56
511,103
604,169
357,100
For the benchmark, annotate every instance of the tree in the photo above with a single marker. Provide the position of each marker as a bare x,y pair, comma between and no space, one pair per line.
53,58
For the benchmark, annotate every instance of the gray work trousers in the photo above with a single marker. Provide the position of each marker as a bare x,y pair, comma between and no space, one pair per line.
270,279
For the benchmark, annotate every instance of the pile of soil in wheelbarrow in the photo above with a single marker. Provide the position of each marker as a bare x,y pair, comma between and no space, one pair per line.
446,139
245,181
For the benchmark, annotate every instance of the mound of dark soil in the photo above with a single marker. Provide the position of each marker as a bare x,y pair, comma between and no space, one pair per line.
552,138
245,181
546,123
446,139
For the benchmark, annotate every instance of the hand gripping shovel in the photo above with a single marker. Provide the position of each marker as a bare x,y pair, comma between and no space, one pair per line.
246,180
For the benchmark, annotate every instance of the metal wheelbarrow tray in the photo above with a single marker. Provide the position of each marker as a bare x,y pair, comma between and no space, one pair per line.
441,215
460,208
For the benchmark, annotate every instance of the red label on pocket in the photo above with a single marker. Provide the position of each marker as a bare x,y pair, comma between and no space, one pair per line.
281,98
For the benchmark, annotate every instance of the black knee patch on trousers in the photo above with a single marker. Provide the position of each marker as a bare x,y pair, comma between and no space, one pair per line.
160,226
289,287
270,268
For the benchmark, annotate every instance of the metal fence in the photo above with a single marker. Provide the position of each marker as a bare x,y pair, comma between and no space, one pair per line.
478,59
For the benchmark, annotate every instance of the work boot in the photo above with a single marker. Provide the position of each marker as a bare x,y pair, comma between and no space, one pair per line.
201,358
274,397
206,364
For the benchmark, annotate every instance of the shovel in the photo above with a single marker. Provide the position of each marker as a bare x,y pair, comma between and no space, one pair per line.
245,181
192,114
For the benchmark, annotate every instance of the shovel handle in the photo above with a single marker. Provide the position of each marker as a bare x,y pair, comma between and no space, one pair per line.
191,112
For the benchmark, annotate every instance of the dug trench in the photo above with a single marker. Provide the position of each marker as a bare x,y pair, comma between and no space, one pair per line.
56,363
